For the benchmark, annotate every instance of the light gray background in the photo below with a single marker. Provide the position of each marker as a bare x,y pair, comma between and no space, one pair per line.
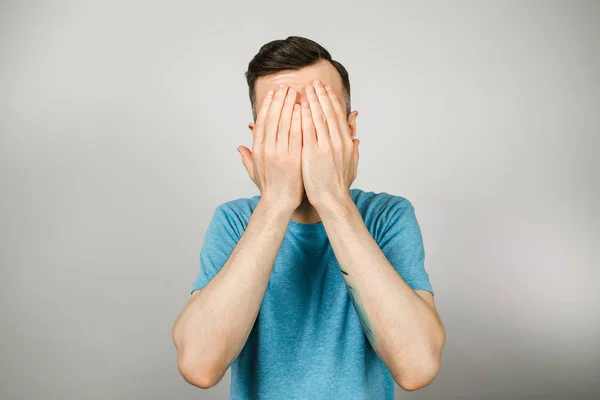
120,124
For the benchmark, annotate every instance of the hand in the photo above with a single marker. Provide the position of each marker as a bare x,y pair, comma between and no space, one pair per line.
329,153
275,162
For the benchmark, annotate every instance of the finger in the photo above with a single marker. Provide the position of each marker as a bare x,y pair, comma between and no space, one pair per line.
318,117
296,130
272,120
285,120
309,137
259,128
340,113
330,115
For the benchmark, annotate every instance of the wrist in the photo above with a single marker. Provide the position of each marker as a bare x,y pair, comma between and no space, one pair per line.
278,206
329,202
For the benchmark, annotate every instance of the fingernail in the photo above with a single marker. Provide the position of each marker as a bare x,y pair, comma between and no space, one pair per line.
305,104
328,88
318,83
310,89
282,87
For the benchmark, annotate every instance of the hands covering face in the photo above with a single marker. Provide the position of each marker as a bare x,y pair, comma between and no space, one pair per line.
329,153
302,148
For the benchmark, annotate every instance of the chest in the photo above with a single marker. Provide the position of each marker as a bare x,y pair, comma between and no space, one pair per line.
306,276
306,294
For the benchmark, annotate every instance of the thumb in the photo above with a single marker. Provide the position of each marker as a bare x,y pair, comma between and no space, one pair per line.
247,160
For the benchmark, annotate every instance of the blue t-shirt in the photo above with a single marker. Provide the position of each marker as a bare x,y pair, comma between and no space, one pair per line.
307,341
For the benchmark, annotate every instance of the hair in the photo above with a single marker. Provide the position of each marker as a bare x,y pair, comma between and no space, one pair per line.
295,52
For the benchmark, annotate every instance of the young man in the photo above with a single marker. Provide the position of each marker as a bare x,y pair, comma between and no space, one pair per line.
311,290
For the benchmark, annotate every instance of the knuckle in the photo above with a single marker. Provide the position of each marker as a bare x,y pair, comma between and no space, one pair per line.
268,153
336,145
270,119
327,149
289,101
284,123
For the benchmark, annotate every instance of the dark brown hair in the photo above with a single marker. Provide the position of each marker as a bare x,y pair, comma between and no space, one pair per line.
295,52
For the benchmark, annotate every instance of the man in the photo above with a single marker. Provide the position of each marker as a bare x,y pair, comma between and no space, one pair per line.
311,290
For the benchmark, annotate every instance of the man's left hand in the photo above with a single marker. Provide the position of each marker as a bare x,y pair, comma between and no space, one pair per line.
329,153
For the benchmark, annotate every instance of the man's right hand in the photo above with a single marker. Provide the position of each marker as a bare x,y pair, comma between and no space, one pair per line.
274,164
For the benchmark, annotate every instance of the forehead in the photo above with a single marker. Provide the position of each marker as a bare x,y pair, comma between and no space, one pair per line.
323,70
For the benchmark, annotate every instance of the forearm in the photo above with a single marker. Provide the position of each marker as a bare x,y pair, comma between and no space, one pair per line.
213,328
401,327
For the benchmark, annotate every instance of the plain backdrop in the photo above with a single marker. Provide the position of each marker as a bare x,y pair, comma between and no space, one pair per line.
119,125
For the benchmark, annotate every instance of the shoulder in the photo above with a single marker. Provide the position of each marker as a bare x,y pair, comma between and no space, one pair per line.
235,213
384,203
382,211
243,206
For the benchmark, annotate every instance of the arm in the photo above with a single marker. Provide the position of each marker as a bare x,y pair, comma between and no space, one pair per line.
212,329
403,326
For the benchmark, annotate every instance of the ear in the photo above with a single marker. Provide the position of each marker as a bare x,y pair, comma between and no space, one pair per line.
352,122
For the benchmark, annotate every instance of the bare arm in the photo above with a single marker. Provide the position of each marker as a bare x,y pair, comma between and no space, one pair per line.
213,327
402,325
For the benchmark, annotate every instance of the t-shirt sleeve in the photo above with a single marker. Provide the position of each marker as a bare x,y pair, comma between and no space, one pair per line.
402,244
219,241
